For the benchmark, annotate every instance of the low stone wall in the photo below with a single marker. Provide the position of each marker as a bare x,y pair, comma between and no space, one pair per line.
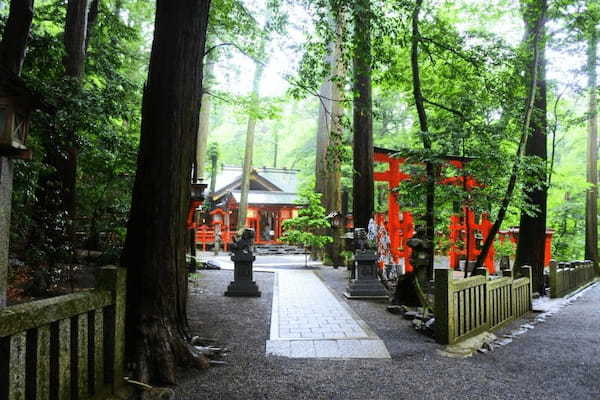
467,307
67,347
565,277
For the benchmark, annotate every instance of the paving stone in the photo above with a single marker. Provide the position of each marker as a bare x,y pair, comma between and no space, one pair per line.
278,348
302,349
306,309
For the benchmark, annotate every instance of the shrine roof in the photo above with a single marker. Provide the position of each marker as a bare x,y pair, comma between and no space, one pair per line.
279,179
266,197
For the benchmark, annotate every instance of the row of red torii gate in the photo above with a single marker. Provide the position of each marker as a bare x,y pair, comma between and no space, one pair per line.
275,200
467,232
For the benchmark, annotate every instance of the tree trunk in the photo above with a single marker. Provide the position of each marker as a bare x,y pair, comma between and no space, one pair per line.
12,54
323,129
74,62
527,123
362,149
204,122
74,38
532,228
322,170
334,183
591,200
156,240
423,126
248,154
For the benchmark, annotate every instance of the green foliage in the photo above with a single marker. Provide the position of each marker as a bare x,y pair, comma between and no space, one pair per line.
306,229
504,248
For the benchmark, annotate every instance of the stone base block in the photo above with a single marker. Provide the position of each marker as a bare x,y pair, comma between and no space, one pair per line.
370,289
243,289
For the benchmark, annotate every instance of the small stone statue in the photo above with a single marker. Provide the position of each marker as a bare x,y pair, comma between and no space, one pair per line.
420,258
242,257
244,244
421,248
361,242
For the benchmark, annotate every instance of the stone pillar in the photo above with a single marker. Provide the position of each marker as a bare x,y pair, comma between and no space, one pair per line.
366,285
6,180
242,284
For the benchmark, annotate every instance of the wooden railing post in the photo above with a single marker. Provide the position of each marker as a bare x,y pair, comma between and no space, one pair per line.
444,308
114,279
526,273
553,279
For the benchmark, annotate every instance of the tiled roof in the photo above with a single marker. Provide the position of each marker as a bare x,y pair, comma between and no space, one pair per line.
284,179
264,197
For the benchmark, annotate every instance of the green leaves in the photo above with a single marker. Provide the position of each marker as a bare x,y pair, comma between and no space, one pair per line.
306,229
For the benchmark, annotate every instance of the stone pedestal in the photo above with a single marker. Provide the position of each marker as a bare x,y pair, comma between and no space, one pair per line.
6,181
366,285
242,284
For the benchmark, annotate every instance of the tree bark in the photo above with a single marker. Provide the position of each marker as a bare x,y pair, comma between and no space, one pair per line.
204,122
362,149
329,143
249,150
591,199
334,159
156,240
75,38
532,228
323,128
424,127
12,55
16,32
75,41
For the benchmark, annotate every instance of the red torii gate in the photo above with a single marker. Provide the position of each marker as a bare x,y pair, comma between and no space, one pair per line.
400,224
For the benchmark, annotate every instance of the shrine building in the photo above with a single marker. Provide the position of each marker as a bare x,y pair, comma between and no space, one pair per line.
273,198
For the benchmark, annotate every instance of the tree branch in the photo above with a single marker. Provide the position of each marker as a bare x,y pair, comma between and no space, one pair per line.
450,110
443,46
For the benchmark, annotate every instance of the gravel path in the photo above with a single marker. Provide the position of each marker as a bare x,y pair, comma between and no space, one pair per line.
559,359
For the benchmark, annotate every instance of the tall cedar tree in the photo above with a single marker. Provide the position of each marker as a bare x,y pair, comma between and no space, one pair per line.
334,184
329,137
532,228
12,54
362,183
155,246
532,88
591,199
75,40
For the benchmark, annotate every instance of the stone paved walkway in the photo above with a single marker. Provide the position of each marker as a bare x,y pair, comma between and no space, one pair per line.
308,321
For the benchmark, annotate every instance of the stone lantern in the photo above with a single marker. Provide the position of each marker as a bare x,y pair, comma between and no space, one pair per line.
197,191
14,125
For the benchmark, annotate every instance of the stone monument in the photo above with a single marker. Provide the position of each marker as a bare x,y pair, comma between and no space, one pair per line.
366,284
242,284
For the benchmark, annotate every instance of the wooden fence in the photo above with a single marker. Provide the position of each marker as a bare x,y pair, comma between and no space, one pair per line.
467,307
68,347
566,277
